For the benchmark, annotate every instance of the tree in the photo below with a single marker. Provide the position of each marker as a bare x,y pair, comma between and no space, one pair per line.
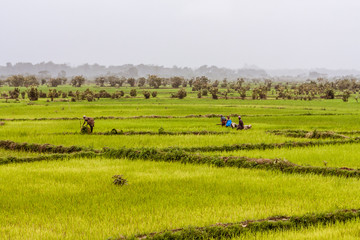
224,83
100,81
242,92
131,82
33,94
154,81
54,82
113,80
30,81
346,95
141,82
176,81
200,83
329,94
216,83
214,91
53,94
77,81
15,80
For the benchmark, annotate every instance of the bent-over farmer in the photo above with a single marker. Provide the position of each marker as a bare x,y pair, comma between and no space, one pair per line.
90,121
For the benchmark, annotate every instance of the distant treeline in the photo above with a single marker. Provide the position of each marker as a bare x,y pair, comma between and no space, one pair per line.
50,69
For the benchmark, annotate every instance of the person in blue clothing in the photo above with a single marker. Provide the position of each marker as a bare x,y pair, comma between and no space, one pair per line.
228,122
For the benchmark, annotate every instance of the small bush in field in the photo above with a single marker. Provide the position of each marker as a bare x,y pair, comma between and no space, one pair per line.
146,94
119,180
154,94
133,92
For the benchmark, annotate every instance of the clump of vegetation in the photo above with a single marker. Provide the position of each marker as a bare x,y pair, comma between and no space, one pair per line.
329,94
77,81
181,94
146,94
161,130
346,95
33,94
204,92
14,94
85,130
242,92
133,92
214,91
154,94
119,180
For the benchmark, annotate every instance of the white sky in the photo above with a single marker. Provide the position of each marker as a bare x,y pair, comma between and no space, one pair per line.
225,33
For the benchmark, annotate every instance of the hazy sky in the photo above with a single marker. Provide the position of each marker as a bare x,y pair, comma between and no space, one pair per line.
225,33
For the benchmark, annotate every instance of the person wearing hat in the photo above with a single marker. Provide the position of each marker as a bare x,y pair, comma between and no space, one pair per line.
241,124
90,121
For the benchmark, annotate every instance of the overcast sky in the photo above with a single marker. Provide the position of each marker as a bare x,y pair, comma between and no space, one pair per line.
226,33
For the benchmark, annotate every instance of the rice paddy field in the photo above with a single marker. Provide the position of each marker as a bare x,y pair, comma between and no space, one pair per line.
294,175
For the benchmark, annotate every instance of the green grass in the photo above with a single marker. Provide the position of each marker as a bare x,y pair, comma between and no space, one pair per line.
174,107
332,155
9,153
76,198
349,230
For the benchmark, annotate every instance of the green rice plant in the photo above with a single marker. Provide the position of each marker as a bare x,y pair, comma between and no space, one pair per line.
338,156
231,230
64,198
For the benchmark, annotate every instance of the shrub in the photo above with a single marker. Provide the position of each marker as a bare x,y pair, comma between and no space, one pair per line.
161,130
119,180
329,94
214,91
346,95
77,81
181,93
146,94
15,93
85,130
154,94
133,92
33,94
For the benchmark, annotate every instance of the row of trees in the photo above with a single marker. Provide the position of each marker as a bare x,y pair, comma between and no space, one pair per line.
32,80
319,86
260,92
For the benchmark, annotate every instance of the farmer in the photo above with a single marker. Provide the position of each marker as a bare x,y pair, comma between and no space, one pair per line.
223,120
228,122
90,122
241,124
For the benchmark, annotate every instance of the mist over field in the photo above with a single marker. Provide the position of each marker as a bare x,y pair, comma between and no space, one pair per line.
279,37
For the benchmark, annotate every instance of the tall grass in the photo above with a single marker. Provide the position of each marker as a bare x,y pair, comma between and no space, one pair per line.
76,198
